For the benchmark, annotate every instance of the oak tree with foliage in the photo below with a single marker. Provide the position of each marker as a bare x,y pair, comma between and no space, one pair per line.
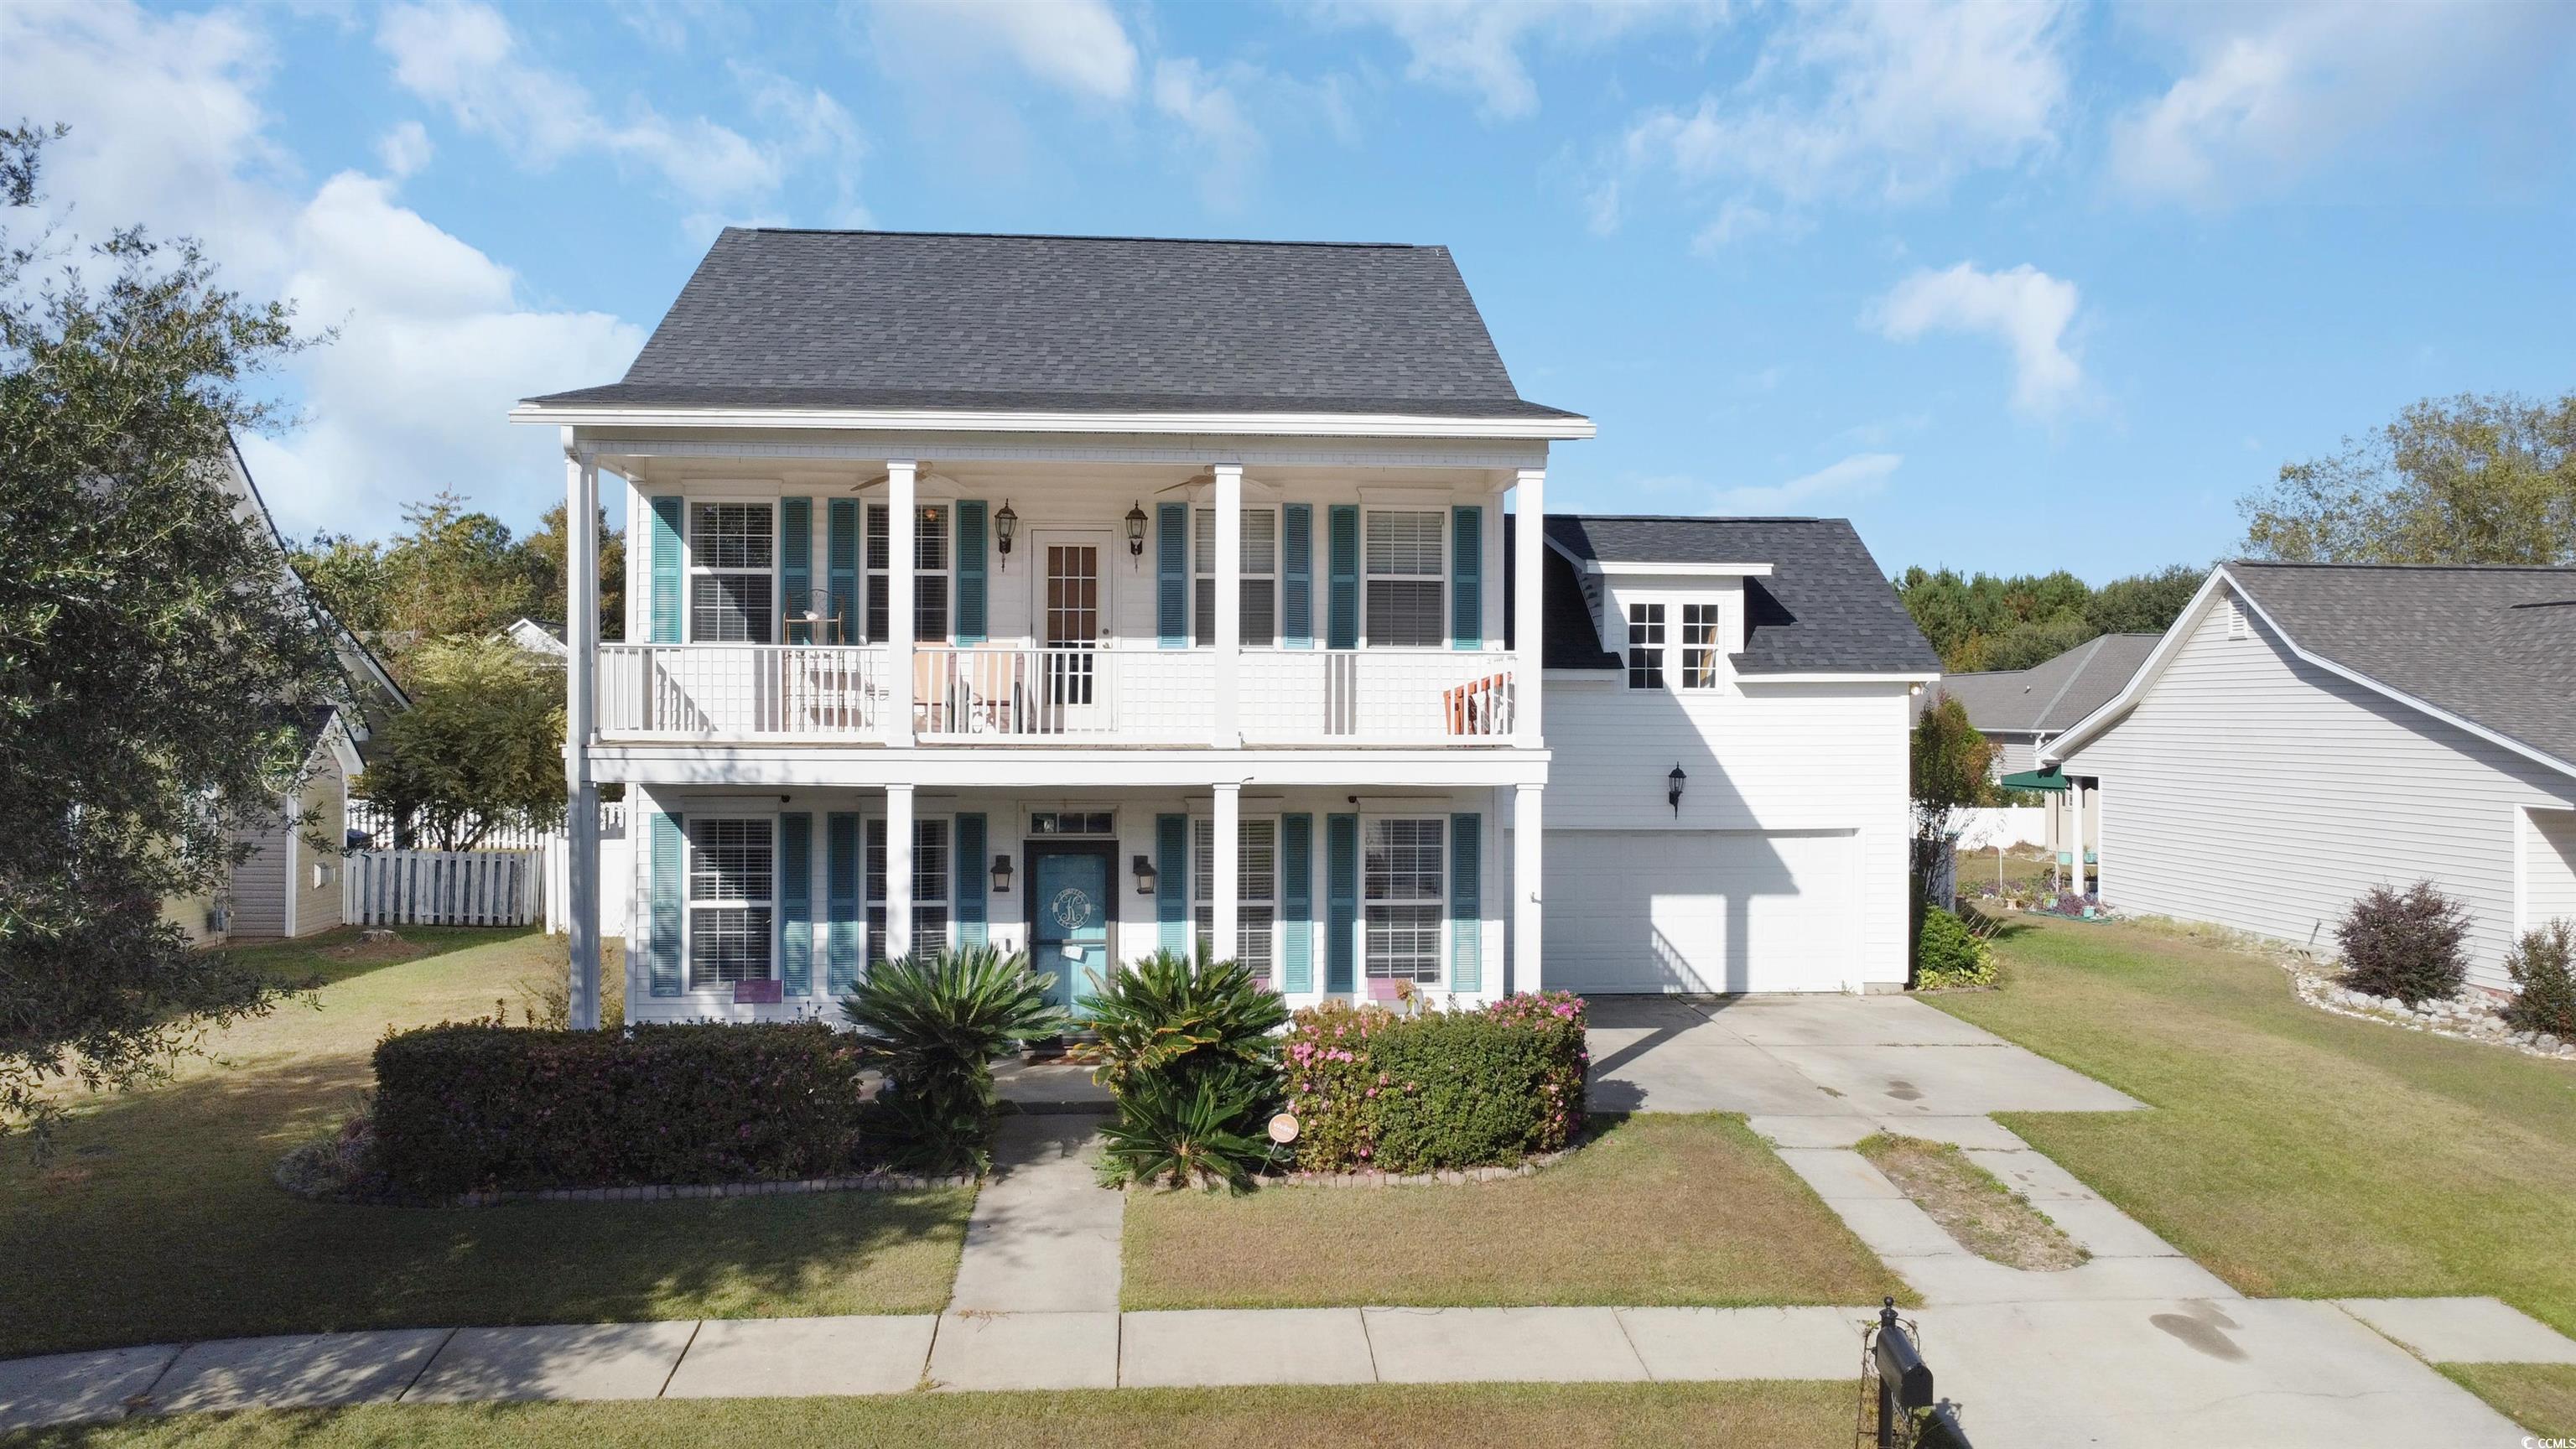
1992,622
1950,765
151,641
2475,479
481,745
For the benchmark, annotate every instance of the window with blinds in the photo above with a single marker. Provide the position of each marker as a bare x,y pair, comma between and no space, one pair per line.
1405,567
733,557
1256,891
931,570
931,861
1404,885
732,892
1260,582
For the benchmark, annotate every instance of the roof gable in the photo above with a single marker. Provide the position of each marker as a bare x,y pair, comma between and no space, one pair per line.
863,319
2054,693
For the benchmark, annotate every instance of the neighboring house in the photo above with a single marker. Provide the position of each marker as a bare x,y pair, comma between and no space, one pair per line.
545,641
289,883
1089,595
2307,731
2019,709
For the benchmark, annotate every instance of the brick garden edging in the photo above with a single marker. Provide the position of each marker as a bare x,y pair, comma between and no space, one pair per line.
660,1192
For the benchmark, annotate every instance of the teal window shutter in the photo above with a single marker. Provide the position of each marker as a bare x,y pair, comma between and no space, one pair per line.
1466,903
795,566
665,623
796,903
1296,902
1172,881
1297,576
662,954
1172,574
842,922
969,626
968,861
1341,902
841,566
1342,591
1466,576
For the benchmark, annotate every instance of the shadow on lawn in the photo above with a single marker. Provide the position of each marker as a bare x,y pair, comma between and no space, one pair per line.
159,1220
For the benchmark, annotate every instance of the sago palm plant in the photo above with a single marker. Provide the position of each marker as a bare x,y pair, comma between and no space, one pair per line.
1201,1130
1168,1016
934,1025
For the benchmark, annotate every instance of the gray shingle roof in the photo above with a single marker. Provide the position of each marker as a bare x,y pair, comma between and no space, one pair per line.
782,318
2493,645
2050,696
1825,608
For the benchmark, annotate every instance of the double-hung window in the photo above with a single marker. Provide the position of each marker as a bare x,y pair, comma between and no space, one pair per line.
1407,580
1699,646
930,875
1256,891
930,573
1404,886
732,891
733,549
1260,573
1645,646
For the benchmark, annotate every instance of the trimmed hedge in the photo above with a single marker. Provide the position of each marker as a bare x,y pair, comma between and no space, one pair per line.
1377,1091
476,1108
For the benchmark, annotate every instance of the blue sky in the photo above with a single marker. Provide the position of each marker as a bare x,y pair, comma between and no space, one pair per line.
2014,286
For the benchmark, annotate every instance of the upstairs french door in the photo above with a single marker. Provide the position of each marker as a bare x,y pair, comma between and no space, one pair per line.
1071,606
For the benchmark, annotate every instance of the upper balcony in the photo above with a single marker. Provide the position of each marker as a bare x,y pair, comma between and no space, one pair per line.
1054,603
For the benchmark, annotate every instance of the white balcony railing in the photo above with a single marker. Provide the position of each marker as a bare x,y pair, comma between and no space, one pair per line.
741,691
1007,694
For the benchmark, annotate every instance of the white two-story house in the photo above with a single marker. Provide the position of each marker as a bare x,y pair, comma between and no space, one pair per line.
1089,596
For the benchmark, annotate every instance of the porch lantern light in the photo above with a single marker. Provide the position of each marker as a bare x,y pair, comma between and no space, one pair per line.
1001,875
1136,531
1144,876
1673,789
1006,525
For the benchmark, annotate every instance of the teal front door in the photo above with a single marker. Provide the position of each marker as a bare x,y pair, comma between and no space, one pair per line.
1069,911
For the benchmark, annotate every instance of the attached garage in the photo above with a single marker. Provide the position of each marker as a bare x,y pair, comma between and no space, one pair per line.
1717,911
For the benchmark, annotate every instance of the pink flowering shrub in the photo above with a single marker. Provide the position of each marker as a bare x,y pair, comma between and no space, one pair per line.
1375,1090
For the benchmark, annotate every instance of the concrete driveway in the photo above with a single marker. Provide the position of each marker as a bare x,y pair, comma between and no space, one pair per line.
1888,1061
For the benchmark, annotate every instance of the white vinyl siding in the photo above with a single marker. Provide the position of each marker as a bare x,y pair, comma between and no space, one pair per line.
2253,790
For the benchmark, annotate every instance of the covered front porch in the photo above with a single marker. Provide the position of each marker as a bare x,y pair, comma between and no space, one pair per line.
768,904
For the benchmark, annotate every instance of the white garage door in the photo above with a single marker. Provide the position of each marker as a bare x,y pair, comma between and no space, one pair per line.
1698,911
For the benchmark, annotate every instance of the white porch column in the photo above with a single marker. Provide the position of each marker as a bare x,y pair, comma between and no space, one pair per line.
1529,557
1225,832
581,664
1228,733
1529,833
2074,835
898,886
902,528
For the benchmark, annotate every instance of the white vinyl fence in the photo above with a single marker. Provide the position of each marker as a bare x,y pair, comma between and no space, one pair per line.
366,816
2007,826
443,888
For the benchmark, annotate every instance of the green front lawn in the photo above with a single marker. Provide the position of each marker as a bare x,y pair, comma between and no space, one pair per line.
1373,1416
158,1219
1660,1209
2293,1152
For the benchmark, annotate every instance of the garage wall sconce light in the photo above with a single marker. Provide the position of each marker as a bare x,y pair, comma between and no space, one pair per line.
1673,789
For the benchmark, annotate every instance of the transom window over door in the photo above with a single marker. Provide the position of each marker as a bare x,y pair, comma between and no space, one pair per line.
1407,579
732,891
930,573
1260,582
1404,882
1256,890
733,549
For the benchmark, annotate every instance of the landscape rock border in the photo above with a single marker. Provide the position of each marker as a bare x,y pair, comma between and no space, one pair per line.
2476,1014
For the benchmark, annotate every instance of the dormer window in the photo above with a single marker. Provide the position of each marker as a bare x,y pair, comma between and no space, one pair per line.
1699,646
1645,646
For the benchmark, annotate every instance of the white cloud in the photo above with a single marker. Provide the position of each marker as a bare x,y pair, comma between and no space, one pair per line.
1474,46
1892,102
1225,146
2276,90
2026,309
1857,476
464,57
1076,46
404,149
437,339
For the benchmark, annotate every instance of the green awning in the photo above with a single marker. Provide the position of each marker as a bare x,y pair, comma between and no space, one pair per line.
2049,779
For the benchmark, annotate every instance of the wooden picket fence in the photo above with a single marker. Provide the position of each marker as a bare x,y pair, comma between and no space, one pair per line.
443,888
